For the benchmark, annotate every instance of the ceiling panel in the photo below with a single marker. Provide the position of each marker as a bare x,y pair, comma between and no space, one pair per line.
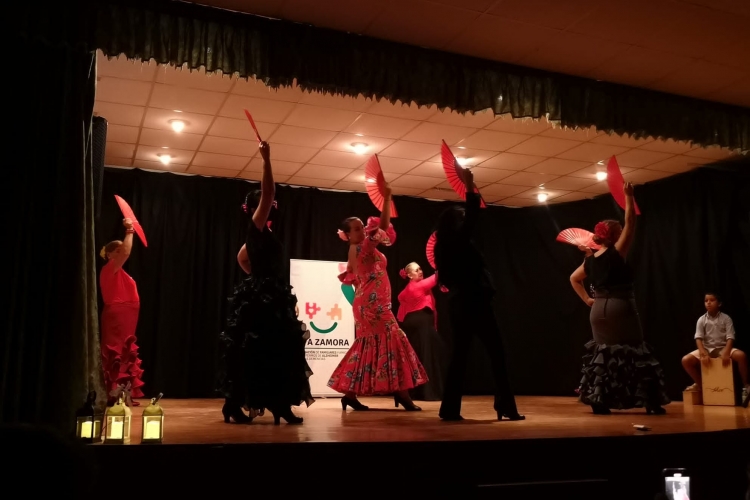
311,137
657,44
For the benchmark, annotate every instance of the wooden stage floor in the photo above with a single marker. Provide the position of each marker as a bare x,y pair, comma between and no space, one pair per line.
199,421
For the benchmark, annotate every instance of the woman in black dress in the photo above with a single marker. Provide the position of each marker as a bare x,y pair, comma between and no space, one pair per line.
619,370
265,342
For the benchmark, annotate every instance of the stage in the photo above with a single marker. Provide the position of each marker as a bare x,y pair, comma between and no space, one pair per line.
560,445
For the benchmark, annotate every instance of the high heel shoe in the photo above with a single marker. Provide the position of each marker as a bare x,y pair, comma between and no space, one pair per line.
287,415
510,416
355,404
656,410
408,405
234,412
600,410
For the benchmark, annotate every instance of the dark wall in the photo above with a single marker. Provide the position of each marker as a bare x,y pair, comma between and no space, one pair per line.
693,235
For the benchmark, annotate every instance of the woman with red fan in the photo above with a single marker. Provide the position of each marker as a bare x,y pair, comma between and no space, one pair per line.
122,367
264,358
462,270
418,319
619,371
381,360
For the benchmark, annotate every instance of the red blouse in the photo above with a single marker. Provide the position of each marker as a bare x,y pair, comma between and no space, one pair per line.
416,296
117,285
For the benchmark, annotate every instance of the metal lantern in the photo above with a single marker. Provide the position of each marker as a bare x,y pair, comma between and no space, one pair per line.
153,422
117,429
89,421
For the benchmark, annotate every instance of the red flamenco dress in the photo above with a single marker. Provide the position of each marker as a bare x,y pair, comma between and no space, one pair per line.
381,360
122,367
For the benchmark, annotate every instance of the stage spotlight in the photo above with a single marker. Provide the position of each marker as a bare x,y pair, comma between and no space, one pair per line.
359,147
165,159
600,176
177,125
542,197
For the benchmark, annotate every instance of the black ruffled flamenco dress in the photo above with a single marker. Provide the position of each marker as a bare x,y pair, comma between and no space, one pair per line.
265,364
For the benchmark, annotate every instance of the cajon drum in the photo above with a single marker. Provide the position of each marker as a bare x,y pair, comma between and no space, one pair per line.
718,383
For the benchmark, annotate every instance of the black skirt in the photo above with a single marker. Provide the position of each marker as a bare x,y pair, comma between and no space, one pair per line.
619,368
264,347
419,327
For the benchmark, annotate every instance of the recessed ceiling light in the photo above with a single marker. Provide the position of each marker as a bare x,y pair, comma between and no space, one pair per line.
165,159
177,111
463,161
359,147
601,162
461,147
177,125
542,197
600,176
371,180
359,135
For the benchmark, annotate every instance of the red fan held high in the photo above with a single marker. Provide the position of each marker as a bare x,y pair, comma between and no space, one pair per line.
252,124
127,213
430,250
616,182
577,237
455,174
375,185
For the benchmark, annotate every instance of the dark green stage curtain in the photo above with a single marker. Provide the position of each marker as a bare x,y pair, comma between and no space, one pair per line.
50,342
280,52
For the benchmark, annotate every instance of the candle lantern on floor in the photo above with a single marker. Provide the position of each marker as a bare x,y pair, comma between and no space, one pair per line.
89,421
153,422
117,430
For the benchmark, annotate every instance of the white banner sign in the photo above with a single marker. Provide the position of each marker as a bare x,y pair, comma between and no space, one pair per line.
325,306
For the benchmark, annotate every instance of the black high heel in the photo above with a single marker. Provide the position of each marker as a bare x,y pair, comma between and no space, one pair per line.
600,410
355,404
234,412
656,410
287,415
407,406
510,416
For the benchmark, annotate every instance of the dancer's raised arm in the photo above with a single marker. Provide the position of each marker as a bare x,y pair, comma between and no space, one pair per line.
472,205
385,214
267,188
628,232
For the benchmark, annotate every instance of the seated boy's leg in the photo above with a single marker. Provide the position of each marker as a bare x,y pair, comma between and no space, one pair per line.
740,359
692,364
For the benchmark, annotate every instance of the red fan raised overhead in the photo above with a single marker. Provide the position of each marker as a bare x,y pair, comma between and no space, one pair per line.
577,237
252,124
430,250
455,174
375,185
616,182
127,213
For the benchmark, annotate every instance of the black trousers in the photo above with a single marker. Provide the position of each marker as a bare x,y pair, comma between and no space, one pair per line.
472,315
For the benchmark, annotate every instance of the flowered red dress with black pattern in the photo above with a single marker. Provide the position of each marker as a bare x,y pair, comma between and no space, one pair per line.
381,360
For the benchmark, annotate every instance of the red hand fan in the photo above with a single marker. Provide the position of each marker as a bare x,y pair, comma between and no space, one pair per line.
616,182
430,250
376,189
252,124
577,237
127,213
454,173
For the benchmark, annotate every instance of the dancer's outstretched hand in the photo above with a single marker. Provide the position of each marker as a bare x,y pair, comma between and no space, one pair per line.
627,188
265,151
468,178
128,223
590,302
585,250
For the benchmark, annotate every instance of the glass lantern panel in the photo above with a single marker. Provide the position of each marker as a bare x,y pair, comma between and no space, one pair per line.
152,427
126,428
85,427
115,427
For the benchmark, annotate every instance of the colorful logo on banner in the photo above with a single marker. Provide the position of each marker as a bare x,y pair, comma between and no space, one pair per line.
335,313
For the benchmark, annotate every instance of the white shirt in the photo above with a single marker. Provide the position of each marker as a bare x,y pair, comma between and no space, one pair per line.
714,330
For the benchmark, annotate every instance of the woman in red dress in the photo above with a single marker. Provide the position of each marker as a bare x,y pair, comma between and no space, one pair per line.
380,361
418,318
120,361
